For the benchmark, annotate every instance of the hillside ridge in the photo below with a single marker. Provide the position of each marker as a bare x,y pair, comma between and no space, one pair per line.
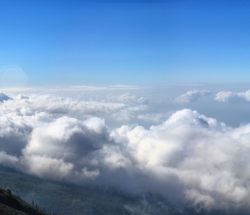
11,204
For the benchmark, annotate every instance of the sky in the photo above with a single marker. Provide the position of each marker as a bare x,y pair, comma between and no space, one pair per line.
123,42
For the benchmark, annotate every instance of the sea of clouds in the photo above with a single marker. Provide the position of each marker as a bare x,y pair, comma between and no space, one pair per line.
113,136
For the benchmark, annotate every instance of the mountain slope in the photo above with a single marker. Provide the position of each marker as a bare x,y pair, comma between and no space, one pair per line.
13,205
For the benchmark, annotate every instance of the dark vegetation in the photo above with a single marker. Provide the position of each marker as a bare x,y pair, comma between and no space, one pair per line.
12,204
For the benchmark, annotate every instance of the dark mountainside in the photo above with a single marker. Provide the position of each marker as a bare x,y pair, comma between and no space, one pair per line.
65,199
13,205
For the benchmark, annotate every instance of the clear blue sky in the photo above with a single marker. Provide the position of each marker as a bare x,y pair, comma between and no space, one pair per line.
126,42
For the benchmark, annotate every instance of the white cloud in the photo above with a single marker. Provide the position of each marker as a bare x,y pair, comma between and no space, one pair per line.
245,95
201,153
229,96
191,96
223,96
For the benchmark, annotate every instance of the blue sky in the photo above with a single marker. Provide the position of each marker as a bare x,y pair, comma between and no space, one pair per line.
126,42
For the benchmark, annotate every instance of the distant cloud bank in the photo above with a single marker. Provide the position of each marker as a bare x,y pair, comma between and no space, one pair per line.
191,95
228,96
221,96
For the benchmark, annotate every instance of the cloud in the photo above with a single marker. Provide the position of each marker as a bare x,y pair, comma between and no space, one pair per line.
113,108
191,96
4,97
64,147
188,157
229,96
201,153
224,96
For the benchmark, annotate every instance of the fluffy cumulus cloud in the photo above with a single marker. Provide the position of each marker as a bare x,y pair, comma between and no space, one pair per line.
60,149
229,96
202,161
191,96
202,155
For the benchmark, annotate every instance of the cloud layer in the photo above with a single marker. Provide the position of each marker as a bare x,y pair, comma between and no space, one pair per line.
199,159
